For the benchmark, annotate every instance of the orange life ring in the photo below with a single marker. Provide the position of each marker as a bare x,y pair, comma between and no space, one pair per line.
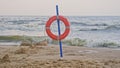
53,36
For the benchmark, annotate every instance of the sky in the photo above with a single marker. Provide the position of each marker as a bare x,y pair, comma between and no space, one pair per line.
66,7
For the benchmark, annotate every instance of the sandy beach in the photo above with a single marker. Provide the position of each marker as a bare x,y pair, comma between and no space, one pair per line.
48,57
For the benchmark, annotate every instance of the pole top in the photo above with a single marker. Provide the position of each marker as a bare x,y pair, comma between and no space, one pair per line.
58,2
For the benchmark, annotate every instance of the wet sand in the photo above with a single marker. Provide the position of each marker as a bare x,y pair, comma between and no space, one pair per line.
48,57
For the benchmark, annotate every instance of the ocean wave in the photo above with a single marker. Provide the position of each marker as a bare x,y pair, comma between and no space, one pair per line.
106,44
113,27
71,42
15,27
21,21
108,28
89,24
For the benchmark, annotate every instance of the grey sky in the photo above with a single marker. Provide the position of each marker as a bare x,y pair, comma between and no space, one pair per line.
67,7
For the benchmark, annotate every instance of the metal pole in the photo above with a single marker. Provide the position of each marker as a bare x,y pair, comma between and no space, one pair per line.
59,33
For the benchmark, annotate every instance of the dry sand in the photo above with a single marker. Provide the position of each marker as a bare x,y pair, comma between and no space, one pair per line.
48,57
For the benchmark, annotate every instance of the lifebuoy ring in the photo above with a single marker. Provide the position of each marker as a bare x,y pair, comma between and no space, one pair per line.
53,36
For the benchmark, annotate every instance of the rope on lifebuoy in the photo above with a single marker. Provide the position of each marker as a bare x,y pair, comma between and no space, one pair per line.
53,36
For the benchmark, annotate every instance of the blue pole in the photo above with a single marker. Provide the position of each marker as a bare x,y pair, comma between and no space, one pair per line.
59,33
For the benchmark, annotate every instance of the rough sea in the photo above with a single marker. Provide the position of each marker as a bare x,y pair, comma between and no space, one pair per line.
90,28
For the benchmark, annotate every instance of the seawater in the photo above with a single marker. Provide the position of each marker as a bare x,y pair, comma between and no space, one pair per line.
90,28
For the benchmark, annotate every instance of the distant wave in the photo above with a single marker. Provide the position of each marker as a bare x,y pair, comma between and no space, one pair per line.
95,29
113,27
86,24
108,28
15,27
22,21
